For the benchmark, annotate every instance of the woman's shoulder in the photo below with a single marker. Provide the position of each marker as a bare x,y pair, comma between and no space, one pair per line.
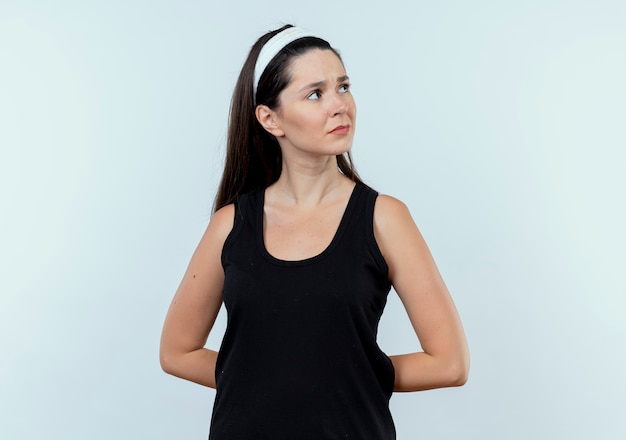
222,222
393,222
389,209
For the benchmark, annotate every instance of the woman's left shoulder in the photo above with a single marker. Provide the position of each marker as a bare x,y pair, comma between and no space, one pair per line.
394,228
390,211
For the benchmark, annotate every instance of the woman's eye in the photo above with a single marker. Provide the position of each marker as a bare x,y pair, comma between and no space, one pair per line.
313,96
344,88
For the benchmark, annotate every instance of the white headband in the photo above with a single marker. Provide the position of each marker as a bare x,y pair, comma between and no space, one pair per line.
273,46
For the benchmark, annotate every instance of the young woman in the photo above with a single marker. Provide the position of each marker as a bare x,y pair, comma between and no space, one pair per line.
303,254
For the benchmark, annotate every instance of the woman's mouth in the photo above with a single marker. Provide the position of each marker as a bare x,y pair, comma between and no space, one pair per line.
340,130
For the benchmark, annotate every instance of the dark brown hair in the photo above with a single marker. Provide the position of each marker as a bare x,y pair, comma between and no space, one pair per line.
253,156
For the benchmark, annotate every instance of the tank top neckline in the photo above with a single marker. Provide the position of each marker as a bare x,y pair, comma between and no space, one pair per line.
343,223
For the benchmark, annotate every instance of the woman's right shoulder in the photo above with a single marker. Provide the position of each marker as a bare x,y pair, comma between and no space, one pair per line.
207,256
221,223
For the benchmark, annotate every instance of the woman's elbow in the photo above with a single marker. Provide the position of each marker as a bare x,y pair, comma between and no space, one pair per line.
163,360
459,372
166,361
460,378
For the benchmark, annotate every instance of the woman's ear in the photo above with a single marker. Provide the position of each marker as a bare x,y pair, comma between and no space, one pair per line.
268,120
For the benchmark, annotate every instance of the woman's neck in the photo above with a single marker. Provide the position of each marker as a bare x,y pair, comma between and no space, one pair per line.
309,183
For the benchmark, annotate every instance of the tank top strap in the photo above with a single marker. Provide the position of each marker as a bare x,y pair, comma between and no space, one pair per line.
365,218
244,216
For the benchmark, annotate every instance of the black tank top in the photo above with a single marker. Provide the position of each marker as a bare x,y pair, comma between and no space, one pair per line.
299,359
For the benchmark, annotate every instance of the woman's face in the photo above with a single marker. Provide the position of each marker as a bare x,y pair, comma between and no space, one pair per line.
316,113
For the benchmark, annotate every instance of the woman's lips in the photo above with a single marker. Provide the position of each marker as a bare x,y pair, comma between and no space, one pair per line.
340,130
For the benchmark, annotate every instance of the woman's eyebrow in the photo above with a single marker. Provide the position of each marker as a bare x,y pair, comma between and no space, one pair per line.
319,84
314,85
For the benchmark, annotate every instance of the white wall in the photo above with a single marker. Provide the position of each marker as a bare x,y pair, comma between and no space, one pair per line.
500,123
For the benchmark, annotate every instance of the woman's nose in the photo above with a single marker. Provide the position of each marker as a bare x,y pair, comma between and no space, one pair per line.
339,104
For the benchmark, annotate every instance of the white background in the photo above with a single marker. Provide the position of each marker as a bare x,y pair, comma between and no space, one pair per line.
500,123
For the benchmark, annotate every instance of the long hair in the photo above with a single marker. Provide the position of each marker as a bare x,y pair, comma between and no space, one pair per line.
253,156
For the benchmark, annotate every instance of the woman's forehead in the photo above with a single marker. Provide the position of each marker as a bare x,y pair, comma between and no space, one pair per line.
316,65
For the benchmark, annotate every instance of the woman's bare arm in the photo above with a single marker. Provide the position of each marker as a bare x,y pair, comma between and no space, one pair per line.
444,361
195,306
